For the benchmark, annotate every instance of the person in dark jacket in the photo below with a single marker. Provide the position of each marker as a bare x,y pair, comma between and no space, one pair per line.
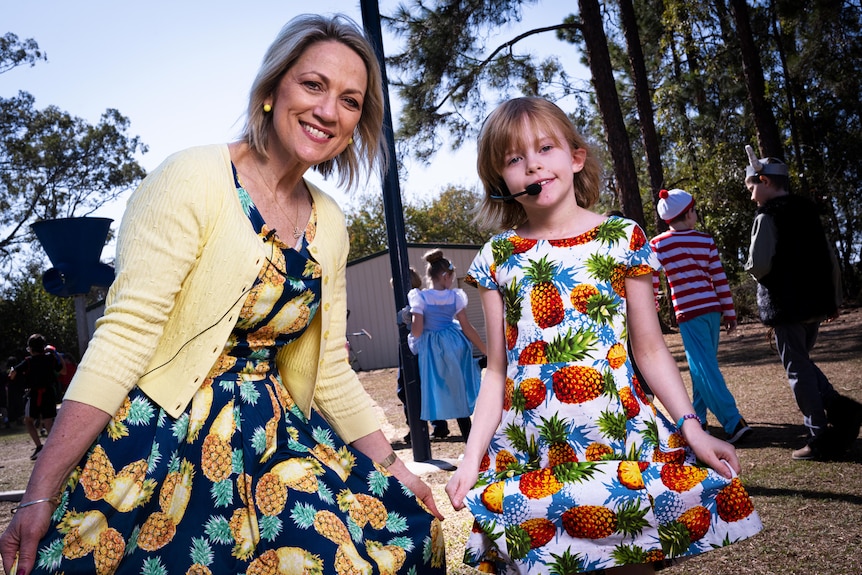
799,287
40,369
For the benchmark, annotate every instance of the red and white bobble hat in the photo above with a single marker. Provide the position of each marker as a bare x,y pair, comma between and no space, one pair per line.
672,203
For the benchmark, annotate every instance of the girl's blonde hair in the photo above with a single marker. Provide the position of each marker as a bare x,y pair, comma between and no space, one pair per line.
291,43
502,131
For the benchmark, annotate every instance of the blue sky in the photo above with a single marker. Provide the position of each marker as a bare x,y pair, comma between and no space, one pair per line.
180,70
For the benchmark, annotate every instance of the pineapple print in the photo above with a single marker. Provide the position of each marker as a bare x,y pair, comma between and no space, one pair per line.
286,561
125,490
389,558
161,526
606,269
682,478
299,473
578,383
201,556
512,299
567,347
87,533
217,452
270,494
733,502
294,315
200,410
504,460
116,427
244,529
616,355
599,307
530,534
271,426
589,522
531,393
539,483
630,403
555,432
492,497
597,451
545,300
363,509
438,544
341,461
630,473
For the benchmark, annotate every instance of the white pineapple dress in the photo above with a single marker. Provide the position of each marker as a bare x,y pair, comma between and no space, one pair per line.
583,474
242,482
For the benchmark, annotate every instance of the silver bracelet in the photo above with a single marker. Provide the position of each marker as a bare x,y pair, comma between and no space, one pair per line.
55,500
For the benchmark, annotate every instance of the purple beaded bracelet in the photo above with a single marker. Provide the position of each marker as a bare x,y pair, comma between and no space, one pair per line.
687,416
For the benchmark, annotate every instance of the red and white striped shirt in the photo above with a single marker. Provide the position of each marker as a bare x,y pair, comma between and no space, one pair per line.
697,281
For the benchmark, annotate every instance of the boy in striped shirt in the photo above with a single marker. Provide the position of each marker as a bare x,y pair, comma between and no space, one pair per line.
702,302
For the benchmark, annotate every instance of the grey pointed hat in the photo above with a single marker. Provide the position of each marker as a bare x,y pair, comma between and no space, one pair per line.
760,167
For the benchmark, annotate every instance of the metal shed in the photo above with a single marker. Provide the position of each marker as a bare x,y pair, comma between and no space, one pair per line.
372,303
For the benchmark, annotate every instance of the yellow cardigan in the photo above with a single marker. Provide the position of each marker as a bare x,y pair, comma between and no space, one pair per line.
186,259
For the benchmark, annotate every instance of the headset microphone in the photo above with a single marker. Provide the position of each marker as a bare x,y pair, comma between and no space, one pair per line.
531,190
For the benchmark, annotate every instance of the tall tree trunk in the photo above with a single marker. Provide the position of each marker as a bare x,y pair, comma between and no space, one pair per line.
768,136
643,98
609,106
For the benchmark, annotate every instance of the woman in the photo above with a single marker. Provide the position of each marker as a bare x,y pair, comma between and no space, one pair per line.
225,323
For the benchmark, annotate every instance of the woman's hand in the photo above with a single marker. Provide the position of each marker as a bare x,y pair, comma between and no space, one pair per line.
21,539
716,453
419,488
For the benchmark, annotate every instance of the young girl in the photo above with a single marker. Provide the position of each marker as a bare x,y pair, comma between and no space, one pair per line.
448,373
569,468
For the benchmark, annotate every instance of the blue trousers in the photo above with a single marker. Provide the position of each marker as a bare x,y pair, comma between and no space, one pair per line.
810,387
700,338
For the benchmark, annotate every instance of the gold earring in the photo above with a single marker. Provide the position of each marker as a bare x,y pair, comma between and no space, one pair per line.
350,141
267,108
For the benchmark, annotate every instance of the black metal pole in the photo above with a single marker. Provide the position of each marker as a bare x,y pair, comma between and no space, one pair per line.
394,216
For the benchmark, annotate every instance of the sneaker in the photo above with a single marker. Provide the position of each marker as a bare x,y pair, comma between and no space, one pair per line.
740,432
36,453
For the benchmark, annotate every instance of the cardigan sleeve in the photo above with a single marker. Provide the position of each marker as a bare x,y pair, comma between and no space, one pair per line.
160,237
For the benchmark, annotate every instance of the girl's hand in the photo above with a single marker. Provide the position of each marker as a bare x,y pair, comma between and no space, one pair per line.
21,539
459,484
716,453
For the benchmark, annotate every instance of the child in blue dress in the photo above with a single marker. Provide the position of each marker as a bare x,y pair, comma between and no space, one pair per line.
570,468
448,373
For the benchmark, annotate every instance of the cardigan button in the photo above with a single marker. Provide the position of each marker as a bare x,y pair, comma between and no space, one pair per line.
326,307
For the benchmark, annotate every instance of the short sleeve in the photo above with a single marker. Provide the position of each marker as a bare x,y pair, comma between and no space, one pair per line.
640,258
460,300
416,301
481,271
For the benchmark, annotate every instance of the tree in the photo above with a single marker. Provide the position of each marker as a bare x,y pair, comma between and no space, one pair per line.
445,219
53,164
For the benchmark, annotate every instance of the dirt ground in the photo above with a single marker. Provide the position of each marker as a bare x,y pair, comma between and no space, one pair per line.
811,511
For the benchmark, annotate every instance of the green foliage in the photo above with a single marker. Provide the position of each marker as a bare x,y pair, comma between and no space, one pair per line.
445,219
26,308
460,57
53,164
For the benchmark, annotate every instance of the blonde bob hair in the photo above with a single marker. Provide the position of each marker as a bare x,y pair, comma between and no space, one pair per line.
503,131
291,43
